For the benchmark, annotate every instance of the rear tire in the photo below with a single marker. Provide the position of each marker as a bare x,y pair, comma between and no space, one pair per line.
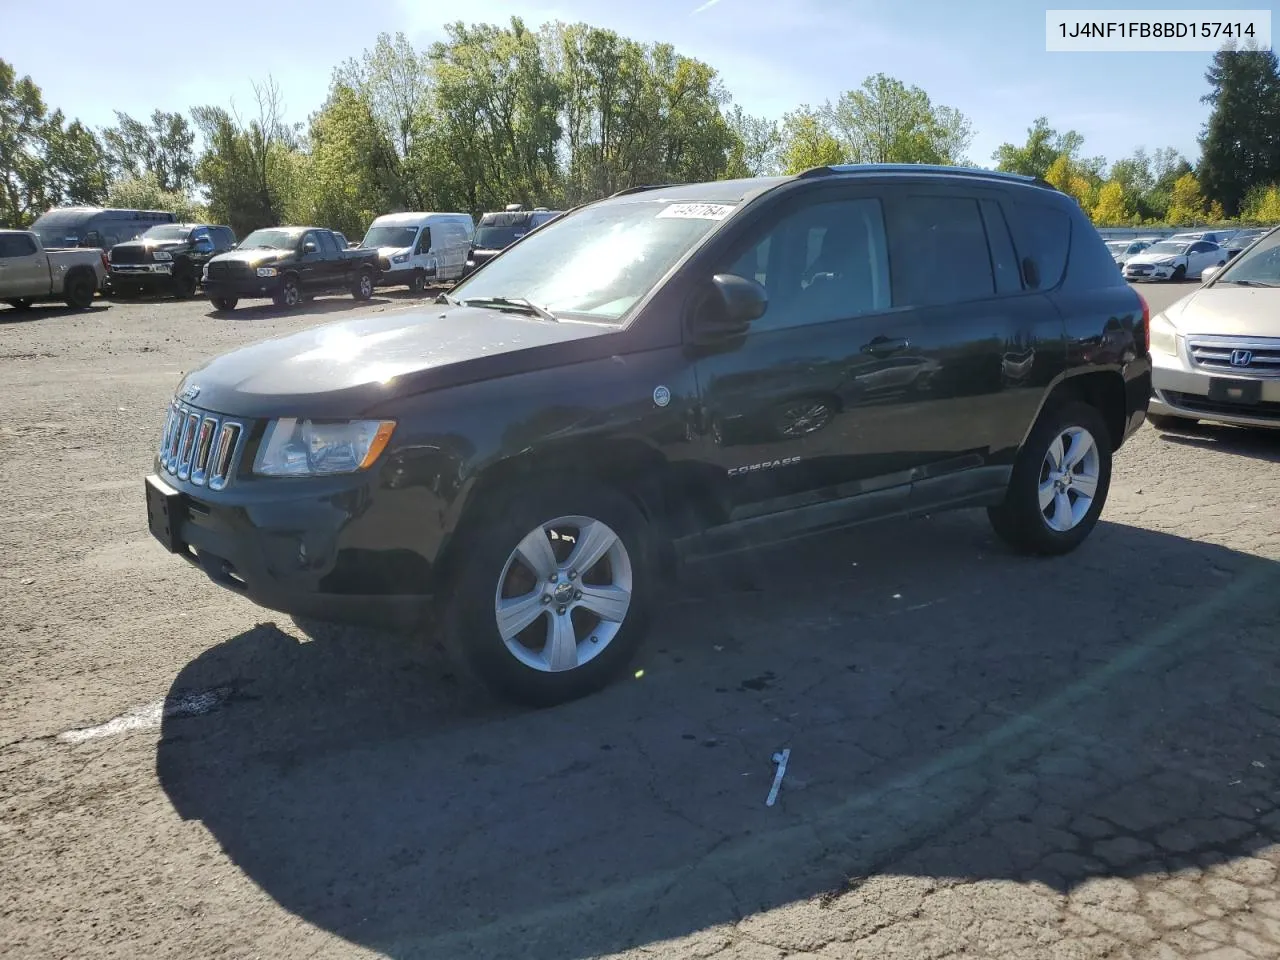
224,304
1059,484
79,290
362,289
509,561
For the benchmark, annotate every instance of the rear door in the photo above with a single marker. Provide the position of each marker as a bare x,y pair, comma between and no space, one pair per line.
335,266
24,269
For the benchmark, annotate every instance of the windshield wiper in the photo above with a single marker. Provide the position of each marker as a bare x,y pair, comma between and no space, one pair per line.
520,303
1248,283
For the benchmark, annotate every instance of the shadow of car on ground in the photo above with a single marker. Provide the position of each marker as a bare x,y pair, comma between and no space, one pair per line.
50,310
257,309
951,711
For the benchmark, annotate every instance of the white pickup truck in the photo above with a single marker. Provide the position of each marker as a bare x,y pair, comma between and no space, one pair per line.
29,272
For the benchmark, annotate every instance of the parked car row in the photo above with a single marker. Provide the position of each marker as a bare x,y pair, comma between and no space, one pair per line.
1181,256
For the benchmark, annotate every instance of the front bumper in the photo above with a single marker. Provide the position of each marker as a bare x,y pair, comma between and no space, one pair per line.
1148,271
242,289
141,274
331,554
1242,399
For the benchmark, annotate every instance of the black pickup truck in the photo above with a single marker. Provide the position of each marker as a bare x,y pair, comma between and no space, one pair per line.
289,264
754,360
168,258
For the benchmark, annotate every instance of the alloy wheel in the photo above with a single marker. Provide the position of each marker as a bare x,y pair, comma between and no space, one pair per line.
1069,479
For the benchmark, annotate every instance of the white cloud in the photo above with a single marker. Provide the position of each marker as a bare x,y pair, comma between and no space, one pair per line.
706,6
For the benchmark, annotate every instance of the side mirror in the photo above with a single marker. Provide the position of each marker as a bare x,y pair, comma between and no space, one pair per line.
731,305
309,247
1208,273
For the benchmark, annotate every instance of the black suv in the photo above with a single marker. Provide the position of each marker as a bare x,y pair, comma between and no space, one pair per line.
669,374
169,258
497,231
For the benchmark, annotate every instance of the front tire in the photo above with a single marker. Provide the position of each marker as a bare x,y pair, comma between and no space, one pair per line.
1179,274
551,601
224,304
418,282
362,289
79,291
1059,484
184,285
289,295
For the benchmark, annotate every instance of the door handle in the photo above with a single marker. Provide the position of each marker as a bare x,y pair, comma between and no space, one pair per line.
883,346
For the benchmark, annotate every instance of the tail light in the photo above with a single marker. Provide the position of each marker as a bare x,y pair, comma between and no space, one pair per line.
1146,324
106,260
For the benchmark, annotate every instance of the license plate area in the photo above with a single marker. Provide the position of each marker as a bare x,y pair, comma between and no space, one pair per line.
1242,392
164,514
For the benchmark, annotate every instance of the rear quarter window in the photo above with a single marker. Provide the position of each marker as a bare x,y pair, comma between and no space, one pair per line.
1043,233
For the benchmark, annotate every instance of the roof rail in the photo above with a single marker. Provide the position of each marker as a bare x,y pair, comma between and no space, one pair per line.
641,188
977,172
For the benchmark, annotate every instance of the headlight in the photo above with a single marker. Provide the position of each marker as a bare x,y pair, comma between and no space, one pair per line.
162,255
1164,336
1167,262
400,258
266,271
310,448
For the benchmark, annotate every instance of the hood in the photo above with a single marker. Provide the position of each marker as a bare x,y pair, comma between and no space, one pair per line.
1146,256
342,369
390,252
254,258
1227,311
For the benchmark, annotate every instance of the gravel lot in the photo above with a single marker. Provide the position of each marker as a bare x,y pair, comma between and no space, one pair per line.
990,757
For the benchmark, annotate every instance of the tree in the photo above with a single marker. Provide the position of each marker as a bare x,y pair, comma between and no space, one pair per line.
22,115
75,163
252,169
1187,205
147,193
885,121
164,148
806,142
1113,208
754,152
1240,146
1043,146
1262,205
1074,180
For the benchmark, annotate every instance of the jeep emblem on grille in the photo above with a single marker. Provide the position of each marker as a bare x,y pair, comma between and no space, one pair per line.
190,393
1241,358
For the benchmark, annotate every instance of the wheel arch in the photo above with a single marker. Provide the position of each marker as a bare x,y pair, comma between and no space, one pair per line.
1102,389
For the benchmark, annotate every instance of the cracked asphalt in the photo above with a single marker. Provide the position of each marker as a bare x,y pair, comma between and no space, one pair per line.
991,757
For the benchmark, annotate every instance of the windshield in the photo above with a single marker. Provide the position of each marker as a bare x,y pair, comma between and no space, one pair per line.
599,261
275,239
1168,246
1136,247
1259,265
167,232
498,238
398,237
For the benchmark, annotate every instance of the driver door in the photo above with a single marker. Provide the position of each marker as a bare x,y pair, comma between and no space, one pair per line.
311,272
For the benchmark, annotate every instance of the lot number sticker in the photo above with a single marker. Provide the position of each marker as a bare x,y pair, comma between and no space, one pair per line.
697,211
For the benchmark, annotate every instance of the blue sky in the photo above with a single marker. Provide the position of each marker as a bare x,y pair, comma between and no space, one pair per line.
984,58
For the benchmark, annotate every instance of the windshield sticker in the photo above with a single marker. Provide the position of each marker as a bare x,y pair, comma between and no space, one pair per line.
697,211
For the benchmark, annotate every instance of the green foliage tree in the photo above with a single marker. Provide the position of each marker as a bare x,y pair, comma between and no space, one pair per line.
754,145
885,121
146,192
806,142
1043,146
1262,205
1241,141
164,148
1188,206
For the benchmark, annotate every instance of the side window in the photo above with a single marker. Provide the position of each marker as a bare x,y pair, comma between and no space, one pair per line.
1202,247
227,237
826,261
1043,233
424,240
16,245
308,237
328,244
1003,260
940,251
92,239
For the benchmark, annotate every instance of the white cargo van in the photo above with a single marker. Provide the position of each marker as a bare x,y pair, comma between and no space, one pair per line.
415,249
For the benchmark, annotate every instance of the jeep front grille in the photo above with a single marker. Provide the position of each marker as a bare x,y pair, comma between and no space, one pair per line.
1259,357
200,446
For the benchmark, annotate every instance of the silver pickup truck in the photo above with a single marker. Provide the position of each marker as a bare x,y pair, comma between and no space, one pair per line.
29,272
